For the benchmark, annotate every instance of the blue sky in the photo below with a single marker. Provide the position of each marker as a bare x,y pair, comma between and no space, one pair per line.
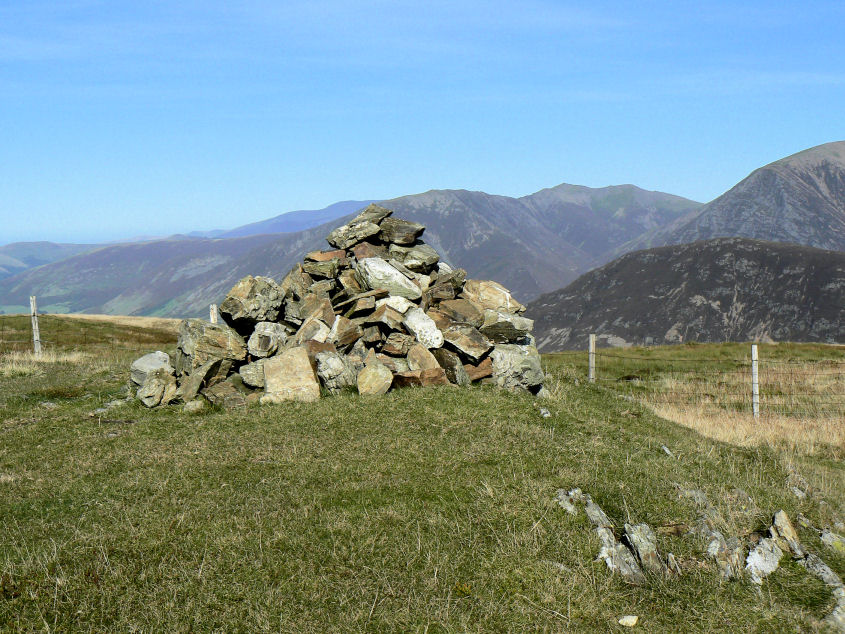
146,118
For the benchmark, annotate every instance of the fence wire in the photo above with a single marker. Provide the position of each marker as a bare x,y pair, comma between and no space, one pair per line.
788,388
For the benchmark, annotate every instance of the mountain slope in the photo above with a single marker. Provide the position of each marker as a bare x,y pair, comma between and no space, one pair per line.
493,237
800,199
296,220
20,256
729,289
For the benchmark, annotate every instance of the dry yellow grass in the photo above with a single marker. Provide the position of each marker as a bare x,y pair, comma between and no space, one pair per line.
30,364
159,323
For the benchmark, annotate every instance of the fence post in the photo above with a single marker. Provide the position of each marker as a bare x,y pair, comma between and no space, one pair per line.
212,313
755,383
36,334
592,371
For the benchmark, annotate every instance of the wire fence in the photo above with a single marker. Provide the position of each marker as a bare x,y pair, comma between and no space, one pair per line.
793,388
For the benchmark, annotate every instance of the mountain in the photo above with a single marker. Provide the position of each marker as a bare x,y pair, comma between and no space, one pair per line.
728,289
523,243
800,199
295,220
539,242
20,256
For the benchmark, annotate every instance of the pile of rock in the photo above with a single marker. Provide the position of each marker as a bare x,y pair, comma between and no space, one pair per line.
378,311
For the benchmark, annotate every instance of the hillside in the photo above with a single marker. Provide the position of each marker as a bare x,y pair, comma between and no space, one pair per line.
729,289
425,509
493,237
21,256
799,199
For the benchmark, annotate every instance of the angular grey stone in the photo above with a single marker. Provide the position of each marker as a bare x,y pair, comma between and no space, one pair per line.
374,379
505,327
377,273
335,371
833,541
153,361
204,376
566,502
784,534
596,515
195,406
228,394
489,294
618,558
251,300
419,258
289,376
818,568
423,328
516,366
159,388
267,339
467,342
372,213
763,560
643,542
312,329
451,363
252,374
201,342
352,233
727,554
398,231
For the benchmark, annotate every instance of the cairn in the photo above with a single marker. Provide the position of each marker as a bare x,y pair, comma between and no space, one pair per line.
378,311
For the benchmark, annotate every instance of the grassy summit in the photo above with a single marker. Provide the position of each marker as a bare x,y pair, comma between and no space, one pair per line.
419,510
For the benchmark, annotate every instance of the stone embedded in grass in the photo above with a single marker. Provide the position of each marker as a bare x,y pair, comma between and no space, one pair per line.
618,558
643,542
728,555
833,541
763,560
784,534
142,366
516,366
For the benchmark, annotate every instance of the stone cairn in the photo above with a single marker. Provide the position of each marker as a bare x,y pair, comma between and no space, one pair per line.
379,311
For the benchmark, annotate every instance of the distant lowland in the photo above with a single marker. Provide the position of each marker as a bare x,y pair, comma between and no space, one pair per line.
631,265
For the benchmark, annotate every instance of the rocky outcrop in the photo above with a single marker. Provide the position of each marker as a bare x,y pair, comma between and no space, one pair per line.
719,290
378,311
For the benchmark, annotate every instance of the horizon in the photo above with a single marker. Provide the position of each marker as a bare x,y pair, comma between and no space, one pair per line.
157,120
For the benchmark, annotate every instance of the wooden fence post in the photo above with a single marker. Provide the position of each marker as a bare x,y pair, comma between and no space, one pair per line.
755,383
592,371
36,334
212,313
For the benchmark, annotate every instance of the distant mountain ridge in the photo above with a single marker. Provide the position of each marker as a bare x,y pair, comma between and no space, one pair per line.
20,256
524,243
799,198
726,289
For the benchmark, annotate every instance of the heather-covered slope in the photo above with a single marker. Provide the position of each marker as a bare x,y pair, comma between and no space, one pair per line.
730,289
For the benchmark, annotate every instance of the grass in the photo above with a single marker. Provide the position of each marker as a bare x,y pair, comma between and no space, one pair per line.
424,510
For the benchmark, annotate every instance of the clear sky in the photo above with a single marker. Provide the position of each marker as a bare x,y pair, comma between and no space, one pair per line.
146,118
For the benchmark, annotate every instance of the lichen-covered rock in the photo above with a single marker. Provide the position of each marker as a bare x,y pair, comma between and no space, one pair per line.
251,300
377,273
159,388
290,376
763,560
423,328
451,364
201,342
144,365
492,295
374,379
335,371
643,542
505,327
516,366
401,232
252,374
728,555
267,338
